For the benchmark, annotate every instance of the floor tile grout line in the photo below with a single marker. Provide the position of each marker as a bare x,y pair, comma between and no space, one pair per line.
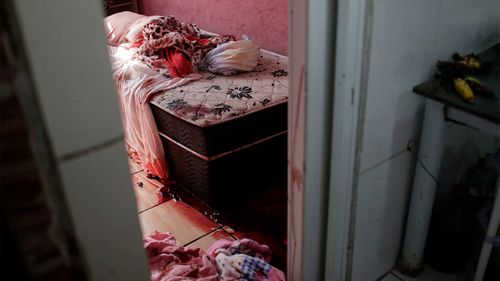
203,236
219,225
231,235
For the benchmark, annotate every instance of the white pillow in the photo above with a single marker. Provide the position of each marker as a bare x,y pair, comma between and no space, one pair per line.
118,25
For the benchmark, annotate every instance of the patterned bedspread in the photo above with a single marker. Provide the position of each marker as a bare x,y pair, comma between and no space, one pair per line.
216,98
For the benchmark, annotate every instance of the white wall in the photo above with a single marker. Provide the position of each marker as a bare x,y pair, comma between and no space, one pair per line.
66,49
408,37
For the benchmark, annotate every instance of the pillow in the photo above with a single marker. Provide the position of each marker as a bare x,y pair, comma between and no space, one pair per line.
117,26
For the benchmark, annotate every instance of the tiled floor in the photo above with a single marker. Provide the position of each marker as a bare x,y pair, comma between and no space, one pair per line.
189,226
261,216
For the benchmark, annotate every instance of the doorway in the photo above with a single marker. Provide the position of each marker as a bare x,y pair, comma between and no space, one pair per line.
70,158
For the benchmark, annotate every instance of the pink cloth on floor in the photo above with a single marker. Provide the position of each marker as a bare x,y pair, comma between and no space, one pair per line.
243,246
170,262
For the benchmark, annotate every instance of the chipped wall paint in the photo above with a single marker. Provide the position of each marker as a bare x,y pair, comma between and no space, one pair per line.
265,22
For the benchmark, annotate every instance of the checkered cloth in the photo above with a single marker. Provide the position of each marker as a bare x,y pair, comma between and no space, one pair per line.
252,265
244,260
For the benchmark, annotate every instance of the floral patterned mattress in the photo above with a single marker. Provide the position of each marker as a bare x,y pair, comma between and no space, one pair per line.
218,114
217,98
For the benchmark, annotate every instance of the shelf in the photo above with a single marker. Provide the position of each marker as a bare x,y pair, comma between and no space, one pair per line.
485,108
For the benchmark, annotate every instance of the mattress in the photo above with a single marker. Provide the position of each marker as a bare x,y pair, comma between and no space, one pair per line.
218,130
219,114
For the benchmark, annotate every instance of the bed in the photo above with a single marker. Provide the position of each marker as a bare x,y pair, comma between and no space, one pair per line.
223,133
220,134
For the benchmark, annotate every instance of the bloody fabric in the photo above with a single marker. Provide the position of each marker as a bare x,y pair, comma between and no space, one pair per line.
163,41
164,56
171,52
177,64
170,262
244,259
226,261
243,246
135,84
137,43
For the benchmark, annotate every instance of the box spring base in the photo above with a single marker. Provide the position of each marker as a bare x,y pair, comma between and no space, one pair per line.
229,175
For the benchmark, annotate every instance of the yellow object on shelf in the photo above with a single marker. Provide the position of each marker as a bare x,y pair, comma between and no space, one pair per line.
463,89
471,80
470,60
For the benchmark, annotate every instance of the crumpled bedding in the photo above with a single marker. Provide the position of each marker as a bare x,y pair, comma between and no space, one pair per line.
135,84
174,48
244,246
226,260
165,55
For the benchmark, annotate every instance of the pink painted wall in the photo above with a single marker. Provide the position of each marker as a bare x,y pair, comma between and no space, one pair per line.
264,21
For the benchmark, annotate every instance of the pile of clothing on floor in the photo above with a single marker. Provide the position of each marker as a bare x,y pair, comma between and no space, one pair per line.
226,260
150,54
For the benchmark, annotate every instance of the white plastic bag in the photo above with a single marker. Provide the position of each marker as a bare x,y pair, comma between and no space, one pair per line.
232,57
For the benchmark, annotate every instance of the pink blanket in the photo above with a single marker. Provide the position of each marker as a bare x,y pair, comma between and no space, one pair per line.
135,85
170,262
155,62
160,57
226,260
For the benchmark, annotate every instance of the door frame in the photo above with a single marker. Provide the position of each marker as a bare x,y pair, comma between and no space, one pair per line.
326,46
350,78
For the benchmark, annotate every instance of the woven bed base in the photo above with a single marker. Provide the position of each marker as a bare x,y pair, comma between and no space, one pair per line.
223,178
